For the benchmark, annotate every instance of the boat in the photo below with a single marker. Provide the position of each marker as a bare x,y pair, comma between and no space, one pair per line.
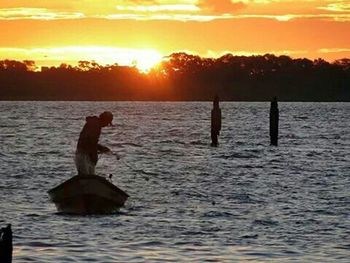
87,194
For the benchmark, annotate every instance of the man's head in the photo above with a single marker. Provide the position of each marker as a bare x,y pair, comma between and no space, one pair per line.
106,118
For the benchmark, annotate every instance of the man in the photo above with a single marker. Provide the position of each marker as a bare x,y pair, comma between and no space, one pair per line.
88,146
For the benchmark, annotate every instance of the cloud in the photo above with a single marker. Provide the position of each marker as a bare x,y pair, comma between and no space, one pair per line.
168,17
337,7
217,54
58,5
156,12
289,17
182,10
220,7
36,14
333,50
158,8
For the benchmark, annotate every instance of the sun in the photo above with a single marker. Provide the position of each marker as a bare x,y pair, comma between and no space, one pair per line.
145,60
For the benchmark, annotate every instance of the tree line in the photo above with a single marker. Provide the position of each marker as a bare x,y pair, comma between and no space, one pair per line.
181,76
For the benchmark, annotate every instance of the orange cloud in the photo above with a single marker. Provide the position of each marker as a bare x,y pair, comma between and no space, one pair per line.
158,8
36,14
182,10
220,7
337,7
289,17
333,50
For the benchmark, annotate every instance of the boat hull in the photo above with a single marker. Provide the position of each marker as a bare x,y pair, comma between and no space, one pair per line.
87,194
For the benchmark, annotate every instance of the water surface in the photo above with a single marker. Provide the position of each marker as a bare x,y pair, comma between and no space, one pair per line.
243,201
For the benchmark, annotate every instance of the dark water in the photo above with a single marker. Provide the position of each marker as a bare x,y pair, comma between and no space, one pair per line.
243,201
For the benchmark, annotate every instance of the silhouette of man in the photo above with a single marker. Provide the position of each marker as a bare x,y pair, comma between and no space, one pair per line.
88,146
215,122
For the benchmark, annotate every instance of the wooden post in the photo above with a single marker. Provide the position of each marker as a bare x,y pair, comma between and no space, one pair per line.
215,122
274,118
6,244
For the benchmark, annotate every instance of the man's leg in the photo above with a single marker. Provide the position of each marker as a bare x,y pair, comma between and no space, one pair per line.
82,163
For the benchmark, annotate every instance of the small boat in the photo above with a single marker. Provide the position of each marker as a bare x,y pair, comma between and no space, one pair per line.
87,194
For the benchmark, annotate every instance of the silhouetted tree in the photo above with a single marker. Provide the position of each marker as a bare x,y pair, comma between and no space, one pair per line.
182,76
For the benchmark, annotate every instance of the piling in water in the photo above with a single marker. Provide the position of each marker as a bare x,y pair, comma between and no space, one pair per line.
6,244
274,118
215,122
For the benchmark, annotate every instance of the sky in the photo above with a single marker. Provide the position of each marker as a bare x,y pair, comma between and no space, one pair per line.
141,32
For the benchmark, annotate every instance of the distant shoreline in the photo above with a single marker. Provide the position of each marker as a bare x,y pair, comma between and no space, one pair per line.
182,78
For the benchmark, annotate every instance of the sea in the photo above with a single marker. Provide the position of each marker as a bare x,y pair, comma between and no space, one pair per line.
243,201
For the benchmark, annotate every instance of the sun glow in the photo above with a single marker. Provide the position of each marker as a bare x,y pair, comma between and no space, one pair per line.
142,59
146,60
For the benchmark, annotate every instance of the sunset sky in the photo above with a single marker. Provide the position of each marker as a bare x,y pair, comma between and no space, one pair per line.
142,31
